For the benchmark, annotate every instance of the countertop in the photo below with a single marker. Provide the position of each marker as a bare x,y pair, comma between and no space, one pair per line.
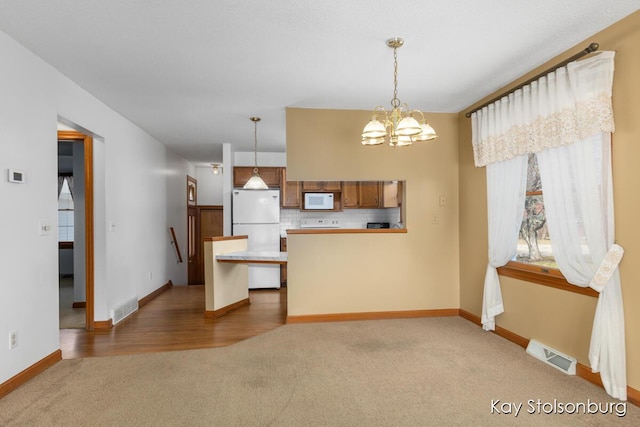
346,230
253,257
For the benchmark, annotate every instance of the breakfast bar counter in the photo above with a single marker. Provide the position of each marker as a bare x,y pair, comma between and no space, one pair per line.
226,272
346,231
250,257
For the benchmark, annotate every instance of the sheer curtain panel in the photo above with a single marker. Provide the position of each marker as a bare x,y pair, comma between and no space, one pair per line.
566,118
506,184
578,194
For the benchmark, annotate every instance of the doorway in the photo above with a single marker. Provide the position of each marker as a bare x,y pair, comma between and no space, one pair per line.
75,170
203,222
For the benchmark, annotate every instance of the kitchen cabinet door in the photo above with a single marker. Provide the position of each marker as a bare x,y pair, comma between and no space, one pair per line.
269,174
350,194
332,185
390,194
369,194
322,186
289,191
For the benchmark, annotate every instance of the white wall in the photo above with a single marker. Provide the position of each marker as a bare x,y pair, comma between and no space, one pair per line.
243,158
210,186
139,185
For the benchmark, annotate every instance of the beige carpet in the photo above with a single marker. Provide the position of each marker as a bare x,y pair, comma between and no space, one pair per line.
413,372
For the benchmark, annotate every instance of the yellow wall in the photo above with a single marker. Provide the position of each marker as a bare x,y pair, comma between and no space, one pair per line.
352,273
558,318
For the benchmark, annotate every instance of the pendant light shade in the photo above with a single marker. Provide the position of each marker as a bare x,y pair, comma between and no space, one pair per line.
255,182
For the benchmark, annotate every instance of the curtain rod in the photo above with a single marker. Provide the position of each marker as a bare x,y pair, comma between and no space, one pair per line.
591,48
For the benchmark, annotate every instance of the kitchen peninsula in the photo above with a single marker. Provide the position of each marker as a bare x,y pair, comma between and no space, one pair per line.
346,274
227,274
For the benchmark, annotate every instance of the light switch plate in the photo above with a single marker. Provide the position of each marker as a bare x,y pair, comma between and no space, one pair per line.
44,228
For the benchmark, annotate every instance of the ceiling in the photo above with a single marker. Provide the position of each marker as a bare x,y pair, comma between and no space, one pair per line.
191,73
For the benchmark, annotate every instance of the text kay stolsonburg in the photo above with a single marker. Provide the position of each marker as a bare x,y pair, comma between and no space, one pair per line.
538,406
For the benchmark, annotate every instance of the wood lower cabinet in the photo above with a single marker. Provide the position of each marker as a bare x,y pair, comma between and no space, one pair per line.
269,174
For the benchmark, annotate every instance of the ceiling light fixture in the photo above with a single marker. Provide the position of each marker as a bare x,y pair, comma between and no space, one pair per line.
398,124
217,168
255,182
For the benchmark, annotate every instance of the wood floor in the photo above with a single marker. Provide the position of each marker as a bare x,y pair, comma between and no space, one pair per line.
174,320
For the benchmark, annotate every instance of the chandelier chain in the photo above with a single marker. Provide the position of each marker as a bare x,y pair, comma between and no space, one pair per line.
395,102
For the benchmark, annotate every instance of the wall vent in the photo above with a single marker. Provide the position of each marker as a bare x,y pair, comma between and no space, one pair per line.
548,355
123,310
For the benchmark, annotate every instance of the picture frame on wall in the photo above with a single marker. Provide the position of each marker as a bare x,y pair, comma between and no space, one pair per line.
192,191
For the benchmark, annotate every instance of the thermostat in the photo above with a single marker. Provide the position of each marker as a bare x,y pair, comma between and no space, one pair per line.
16,176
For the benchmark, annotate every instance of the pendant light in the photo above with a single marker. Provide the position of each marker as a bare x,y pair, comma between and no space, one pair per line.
398,125
255,182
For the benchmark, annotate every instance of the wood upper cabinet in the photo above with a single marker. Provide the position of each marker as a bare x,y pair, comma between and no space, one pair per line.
322,186
391,191
369,194
289,191
269,174
350,194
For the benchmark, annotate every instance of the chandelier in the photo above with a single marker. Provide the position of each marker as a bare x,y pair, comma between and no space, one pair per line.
255,182
399,124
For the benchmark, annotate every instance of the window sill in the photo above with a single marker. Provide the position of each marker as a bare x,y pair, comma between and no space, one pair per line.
65,245
542,276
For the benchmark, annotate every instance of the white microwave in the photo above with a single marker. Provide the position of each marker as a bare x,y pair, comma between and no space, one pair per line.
318,201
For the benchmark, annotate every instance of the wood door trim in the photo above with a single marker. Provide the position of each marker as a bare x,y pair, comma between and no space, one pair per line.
88,219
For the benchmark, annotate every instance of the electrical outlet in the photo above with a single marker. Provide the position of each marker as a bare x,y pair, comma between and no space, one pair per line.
434,219
13,339
443,201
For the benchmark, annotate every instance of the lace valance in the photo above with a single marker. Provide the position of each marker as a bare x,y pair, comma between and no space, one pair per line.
567,105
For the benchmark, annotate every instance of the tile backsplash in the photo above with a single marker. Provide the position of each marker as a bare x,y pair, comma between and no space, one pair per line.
349,218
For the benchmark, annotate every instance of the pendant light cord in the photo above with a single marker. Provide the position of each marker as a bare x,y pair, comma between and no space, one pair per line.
255,121
255,146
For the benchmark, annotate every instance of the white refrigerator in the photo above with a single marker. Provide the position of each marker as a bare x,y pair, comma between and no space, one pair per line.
256,213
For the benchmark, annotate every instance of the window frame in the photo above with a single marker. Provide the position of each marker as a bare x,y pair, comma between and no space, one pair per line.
542,275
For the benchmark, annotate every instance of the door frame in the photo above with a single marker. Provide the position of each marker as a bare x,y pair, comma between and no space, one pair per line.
66,135
193,233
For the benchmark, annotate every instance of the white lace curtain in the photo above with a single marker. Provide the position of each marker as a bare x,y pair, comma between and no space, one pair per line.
566,118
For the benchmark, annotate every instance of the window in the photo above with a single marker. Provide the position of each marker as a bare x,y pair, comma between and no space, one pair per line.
65,213
534,261
534,244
